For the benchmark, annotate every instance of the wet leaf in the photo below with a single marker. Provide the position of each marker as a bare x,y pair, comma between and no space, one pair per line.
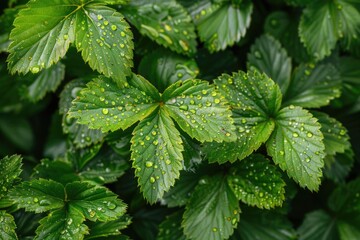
107,229
193,104
254,99
257,183
296,145
336,138
10,168
313,86
206,216
156,154
102,105
268,56
94,202
222,25
165,22
170,228
38,195
61,224
7,226
322,25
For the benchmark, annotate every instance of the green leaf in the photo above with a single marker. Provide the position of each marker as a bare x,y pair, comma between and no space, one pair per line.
101,34
7,226
102,105
104,168
10,168
156,154
164,68
80,157
296,145
254,99
284,27
180,193
265,225
44,82
105,229
38,195
336,139
6,21
212,212
222,25
322,24
170,228
350,76
346,198
318,225
80,134
62,224
257,183
59,171
46,41
145,86
166,22
105,41
338,167
313,86
268,56
193,104
94,202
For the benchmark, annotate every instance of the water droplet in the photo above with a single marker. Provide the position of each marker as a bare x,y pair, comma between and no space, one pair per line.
69,222
36,200
152,180
149,164
105,111
184,45
102,98
99,17
168,162
307,160
291,107
122,34
309,134
167,27
214,229
295,135
184,107
44,202
257,54
111,205
281,153
35,69
113,27
342,132
217,100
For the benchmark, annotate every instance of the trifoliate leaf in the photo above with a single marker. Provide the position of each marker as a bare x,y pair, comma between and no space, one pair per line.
257,183
254,99
170,228
318,225
322,24
164,68
156,154
110,228
264,225
57,170
313,86
7,226
61,224
180,193
284,27
10,169
94,202
336,139
212,212
38,195
296,145
44,82
102,105
105,41
222,25
199,110
39,40
268,56
166,22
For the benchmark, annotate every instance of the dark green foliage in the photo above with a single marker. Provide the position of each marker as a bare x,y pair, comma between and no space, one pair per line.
179,119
